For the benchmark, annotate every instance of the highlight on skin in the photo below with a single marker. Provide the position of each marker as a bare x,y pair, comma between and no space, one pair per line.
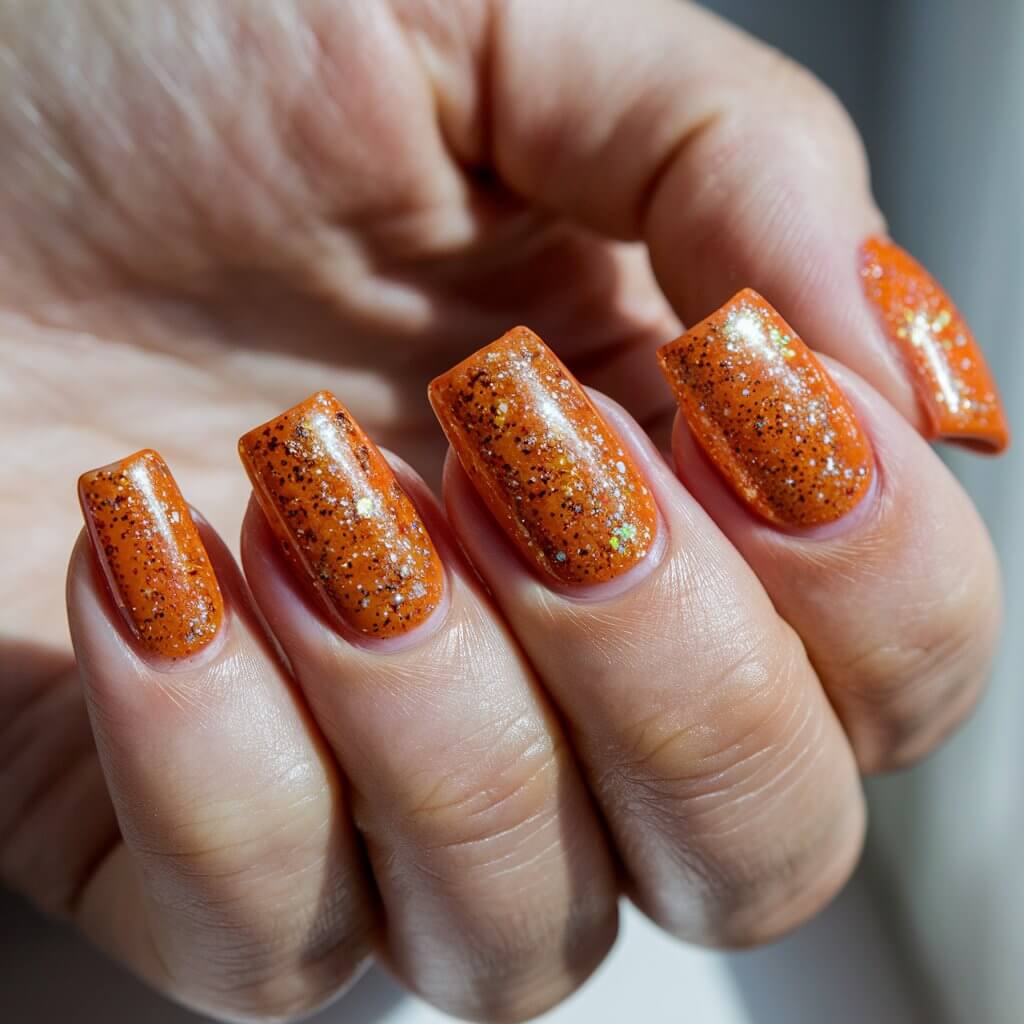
547,465
155,563
768,415
342,516
946,363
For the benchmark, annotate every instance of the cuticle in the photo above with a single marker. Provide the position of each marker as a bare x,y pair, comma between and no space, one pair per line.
194,660
421,633
610,590
850,522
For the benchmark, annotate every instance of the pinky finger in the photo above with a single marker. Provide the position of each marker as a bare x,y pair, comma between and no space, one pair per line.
238,888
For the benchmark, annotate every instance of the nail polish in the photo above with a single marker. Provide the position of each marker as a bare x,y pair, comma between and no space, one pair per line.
154,561
342,516
768,415
545,463
945,362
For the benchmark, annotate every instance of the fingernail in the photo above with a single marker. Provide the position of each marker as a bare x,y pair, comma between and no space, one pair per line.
152,556
548,467
343,517
768,415
945,362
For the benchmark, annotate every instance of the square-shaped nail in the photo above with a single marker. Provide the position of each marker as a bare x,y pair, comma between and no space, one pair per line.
343,517
151,553
768,415
547,465
946,364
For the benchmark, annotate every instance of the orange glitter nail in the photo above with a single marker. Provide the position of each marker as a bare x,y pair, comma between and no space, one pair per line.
946,363
768,415
155,563
341,514
544,461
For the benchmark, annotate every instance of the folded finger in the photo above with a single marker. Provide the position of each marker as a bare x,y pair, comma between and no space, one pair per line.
866,544
718,763
497,885
239,886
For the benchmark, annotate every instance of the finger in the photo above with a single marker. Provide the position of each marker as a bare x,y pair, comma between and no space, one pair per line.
896,591
723,774
737,168
497,885
239,886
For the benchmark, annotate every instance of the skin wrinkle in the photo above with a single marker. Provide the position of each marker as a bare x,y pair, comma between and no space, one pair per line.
540,818
895,691
196,824
533,758
490,800
442,33
183,108
704,779
536,865
248,954
445,312
412,686
394,871
784,765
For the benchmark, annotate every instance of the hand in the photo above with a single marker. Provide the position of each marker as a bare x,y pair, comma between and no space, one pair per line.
216,209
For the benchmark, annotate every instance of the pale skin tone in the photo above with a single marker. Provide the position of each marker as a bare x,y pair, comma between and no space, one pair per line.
213,210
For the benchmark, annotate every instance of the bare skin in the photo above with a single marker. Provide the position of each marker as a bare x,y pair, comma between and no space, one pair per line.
213,210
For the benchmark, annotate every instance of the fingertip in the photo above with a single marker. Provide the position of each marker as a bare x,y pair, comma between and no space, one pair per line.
350,530
897,602
151,554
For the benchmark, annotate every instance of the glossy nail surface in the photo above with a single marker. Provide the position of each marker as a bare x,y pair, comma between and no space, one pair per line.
768,415
549,468
152,556
945,362
335,503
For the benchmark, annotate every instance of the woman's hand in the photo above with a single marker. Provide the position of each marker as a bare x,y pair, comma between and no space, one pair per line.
211,210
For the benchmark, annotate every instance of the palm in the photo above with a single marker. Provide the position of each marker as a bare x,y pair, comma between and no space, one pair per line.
181,264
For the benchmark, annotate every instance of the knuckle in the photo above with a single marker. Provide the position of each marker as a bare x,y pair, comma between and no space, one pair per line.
518,972
275,913
768,904
494,783
797,119
742,202
817,118
484,826
902,698
228,841
725,792
249,976
744,708
284,998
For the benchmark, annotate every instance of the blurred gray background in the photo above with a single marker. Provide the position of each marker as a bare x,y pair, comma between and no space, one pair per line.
932,929
937,89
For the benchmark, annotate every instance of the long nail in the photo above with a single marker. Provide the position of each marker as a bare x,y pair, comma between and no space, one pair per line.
335,503
549,468
768,415
155,563
945,362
